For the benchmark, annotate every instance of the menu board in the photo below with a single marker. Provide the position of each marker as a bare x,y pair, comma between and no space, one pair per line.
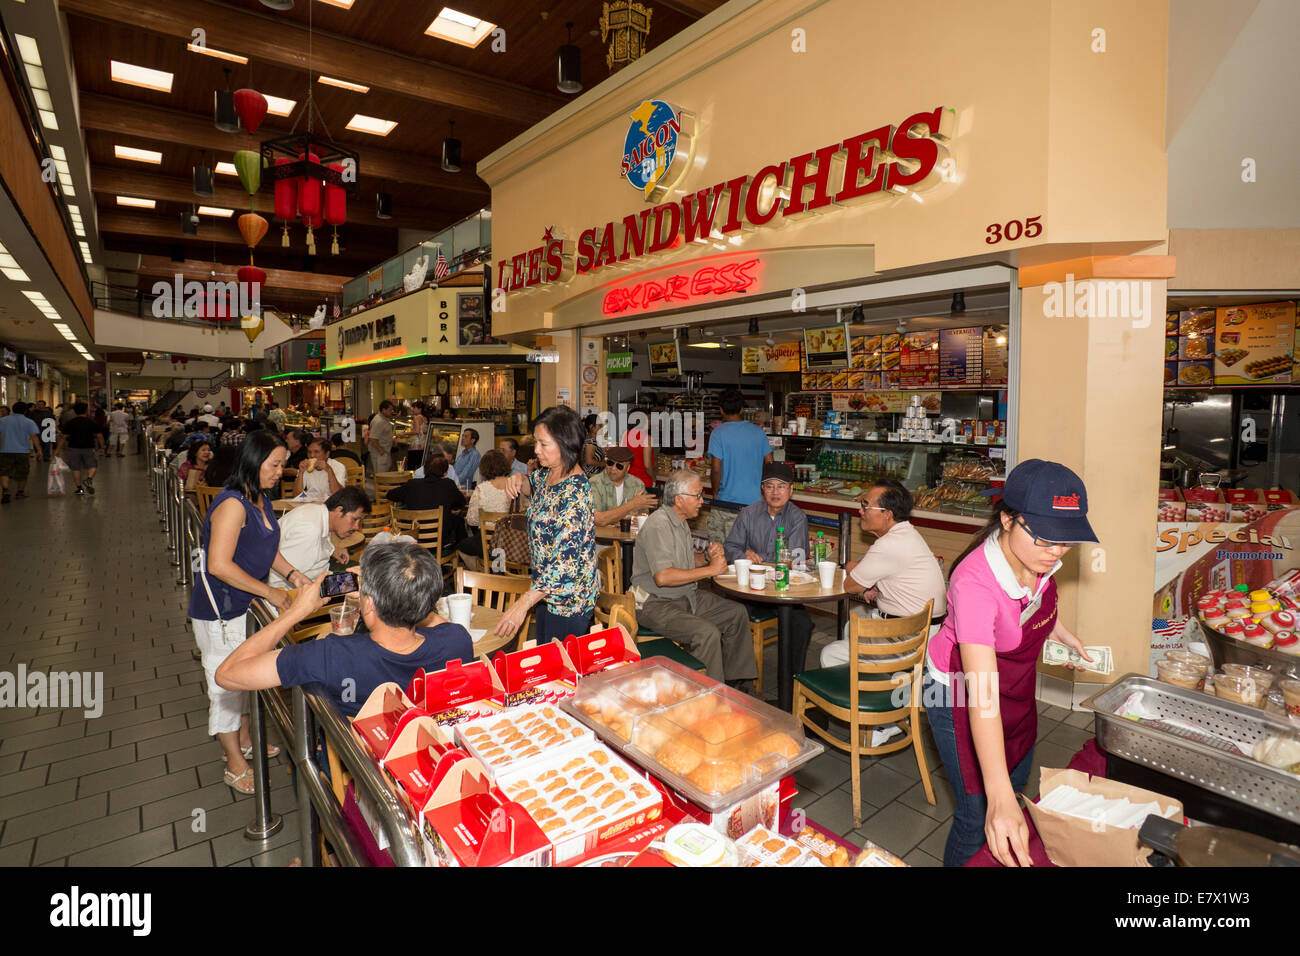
663,360
834,381
1189,347
760,359
961,357
866,352
919,364
994,359
1253,344
826,348
868,402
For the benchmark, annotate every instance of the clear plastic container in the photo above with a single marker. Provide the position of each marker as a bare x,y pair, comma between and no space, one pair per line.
714,744
1242,690
1191,676
1262,677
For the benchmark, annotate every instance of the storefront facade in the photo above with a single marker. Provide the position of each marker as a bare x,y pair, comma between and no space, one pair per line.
1017,138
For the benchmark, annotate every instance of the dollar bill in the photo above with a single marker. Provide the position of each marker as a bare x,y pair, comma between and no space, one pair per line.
1054,652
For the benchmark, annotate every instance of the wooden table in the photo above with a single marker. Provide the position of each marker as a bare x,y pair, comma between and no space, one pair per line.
486,618
609,533
784,602
281,505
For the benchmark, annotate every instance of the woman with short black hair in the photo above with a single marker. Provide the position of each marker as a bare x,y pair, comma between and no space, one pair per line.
561,532
241,544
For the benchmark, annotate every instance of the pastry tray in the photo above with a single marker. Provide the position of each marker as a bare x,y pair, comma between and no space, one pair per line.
1179,754
651,718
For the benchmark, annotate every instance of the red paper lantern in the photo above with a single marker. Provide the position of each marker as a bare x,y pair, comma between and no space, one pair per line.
336,201
309,198
286,195
251,107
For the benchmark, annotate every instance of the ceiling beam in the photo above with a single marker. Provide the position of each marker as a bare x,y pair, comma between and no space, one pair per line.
692,8
158,267
277,40
222,232
113,114
111,181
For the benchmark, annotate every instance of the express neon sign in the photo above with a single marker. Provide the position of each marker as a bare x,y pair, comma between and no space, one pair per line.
682,288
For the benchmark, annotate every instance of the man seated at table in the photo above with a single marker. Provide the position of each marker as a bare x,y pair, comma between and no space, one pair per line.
468,458
666,571
753,536
614,493
400,586
899,572
510,448
319,475
305,532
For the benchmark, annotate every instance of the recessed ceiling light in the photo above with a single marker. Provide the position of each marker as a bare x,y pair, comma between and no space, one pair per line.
133,201
461,28
219,54
27,49
42,98
141,76
345,4
85,251
49,120
216,211
35,76
58,152
344,84
279,106
371,124
139,155
227,169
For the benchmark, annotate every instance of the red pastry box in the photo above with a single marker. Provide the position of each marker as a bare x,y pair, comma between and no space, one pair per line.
1205,504
469,822
458,692
421,755
1171,504
1278,499
1244,504
536,675
376,723
600,650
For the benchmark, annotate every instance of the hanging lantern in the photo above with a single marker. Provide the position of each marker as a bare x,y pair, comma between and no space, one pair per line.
312,223
286,201
251,107
309,198
248,165
252,326
252,227
251,278
336,207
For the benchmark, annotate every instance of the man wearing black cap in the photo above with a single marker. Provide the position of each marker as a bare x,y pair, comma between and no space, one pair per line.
753,536
614,493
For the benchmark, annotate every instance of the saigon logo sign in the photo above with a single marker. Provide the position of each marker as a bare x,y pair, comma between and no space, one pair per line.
657,148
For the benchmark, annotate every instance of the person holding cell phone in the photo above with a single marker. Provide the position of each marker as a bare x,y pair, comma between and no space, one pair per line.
240,547
981,667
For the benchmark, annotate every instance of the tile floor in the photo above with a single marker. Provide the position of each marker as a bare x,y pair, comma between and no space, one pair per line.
88,587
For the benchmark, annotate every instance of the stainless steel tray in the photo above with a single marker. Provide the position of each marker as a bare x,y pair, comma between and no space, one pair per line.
1229,650
1229,773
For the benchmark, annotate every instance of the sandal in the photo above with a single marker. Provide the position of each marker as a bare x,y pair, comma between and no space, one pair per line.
271,751
243,783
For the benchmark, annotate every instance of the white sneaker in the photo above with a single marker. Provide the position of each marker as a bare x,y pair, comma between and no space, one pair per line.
882,735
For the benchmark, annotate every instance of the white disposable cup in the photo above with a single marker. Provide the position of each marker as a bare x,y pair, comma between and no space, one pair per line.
459,609
826,573
742,572
803,424
341,621
757,579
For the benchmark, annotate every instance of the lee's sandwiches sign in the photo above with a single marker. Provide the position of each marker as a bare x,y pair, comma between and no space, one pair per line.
888,159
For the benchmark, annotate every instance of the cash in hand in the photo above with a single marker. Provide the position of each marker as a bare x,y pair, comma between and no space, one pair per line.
1054,652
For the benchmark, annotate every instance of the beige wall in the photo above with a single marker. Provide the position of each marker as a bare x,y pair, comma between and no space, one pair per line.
1244,259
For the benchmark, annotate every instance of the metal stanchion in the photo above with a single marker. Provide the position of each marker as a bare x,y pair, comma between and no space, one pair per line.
265,823
308,822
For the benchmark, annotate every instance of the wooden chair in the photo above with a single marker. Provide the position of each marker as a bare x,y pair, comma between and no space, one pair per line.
354,474
487,522
386,481
614,609
497,591
425,526
203,498
380,517
763,631
286,488
886,656
610,561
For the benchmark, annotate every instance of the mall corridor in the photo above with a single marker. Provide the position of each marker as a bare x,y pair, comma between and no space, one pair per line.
88,587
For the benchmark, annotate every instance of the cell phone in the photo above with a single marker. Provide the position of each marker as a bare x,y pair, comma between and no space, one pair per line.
345,582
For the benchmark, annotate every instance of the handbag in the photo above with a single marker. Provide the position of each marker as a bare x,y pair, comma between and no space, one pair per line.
510,535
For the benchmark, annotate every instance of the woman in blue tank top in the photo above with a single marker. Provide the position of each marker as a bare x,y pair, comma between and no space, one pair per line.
241,544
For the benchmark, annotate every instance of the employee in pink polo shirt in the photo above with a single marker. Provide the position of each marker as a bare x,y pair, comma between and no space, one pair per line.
1001,608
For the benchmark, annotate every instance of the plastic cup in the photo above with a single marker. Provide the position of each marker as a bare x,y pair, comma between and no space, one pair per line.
1291,696
1263,678
826,574
1243,690
459,609
1183,656
742,572
342,621
1180,675
757,579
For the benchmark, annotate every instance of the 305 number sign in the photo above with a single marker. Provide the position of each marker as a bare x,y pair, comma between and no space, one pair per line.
1013,230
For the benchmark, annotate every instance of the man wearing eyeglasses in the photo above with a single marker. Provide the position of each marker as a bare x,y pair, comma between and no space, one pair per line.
898,573
615,493
666,572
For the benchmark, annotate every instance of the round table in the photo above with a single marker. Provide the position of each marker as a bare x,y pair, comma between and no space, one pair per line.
608,533
485,618
784,602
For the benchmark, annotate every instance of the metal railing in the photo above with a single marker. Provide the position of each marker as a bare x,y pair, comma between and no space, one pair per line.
299,715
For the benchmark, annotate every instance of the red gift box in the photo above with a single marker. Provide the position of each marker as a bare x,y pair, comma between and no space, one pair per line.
468,822
1244,504
420,756
536,675
459,691
1171,505
600,650
1205,504
376,723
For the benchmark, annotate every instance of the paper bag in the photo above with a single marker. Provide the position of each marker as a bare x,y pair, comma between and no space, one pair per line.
1074,841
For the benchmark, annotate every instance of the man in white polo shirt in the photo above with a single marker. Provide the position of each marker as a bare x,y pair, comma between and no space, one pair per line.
899,572
305,532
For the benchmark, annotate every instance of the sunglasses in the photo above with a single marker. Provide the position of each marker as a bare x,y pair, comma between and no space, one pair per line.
620,465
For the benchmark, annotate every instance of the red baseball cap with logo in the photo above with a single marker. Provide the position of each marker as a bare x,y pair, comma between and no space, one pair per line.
1051,499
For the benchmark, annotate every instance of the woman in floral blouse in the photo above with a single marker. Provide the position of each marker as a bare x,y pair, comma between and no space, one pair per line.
561,532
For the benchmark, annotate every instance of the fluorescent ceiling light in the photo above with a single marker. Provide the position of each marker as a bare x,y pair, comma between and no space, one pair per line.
37,298
216,211
141,76
85,251
219,54
42,98
58,152
138,155
49,120
705,345
278,105
371,124
343,84
461,28
36,76
27,49
227,169
345,4
14,273
133,201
